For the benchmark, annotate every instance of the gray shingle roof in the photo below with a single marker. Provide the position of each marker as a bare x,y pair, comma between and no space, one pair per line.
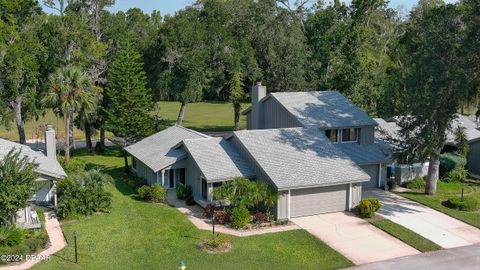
323,109
300,157
362,154
385,128
218,159
46,166
156,151
473,134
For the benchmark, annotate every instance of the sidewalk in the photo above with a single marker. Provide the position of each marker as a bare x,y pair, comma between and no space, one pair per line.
57,242
194,213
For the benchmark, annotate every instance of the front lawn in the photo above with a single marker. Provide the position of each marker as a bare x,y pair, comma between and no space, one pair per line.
141,235
444,192
407,236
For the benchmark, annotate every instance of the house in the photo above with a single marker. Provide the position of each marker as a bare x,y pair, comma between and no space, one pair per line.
316,149
472,130
49,171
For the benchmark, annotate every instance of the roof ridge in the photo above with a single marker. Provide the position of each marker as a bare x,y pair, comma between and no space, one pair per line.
192,131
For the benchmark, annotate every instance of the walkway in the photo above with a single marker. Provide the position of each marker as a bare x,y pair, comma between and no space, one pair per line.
194,213
457,258
354,237
57,242
442,229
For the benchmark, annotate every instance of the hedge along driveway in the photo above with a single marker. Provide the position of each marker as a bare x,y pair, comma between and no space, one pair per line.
441,229
141,235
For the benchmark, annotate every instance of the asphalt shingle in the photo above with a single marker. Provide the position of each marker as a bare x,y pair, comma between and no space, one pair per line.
218,159
156,151
363,154
46,166
323,109
300,157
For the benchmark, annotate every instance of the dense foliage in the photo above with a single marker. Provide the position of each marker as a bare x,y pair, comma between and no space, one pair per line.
465,204
83,194
368,207
17,177
154,193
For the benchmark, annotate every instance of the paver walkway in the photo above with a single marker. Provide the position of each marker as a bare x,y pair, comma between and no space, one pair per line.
440,228
57,242
354,237
194,213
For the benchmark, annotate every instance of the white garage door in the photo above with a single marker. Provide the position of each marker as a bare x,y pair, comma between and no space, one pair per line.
312,201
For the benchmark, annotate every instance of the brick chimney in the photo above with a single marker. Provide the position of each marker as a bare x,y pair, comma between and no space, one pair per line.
258,92
50,142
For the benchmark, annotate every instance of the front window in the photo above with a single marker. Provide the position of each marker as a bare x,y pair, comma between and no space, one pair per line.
181,176
332,134
350,135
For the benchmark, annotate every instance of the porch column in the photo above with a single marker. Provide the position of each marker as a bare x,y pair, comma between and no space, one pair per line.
174,177
209,192
379,180
288,204
163,178
55,195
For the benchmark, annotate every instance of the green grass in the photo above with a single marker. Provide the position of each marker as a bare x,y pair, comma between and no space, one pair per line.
407,236
140,235
203,116
444,192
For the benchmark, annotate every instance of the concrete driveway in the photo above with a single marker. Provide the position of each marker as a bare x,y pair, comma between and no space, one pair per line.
444,230
354,238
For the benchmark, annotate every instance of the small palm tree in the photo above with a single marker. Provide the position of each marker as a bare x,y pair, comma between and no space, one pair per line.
70,92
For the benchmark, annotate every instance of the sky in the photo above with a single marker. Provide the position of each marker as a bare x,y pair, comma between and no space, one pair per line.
170,6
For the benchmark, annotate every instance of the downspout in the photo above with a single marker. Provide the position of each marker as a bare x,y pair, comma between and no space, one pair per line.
379,175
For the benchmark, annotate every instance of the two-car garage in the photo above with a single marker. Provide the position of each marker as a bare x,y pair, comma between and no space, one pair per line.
318,200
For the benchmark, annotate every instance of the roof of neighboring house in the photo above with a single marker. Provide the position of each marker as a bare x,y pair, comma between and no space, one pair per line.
385,128
300,157
156,151
46,166
363,154
473,134
324,109
218,159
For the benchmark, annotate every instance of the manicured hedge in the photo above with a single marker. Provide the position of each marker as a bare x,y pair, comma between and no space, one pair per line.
450,161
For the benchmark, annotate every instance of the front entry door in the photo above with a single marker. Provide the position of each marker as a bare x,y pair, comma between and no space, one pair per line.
204,189
171,177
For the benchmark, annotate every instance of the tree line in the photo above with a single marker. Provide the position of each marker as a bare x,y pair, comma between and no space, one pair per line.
104,71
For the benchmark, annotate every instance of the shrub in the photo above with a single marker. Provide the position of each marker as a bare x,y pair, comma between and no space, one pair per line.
10,236
417,183
209,211
83,194
456,175
468,204
158,193
37,241
259,217
189,200
391,184
240,217
136,182
183,192
74,166
450,161
222,216
368,207
154,193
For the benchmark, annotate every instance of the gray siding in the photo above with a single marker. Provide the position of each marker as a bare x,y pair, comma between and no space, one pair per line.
371,170
276,116
407,172
312,201
145,172
249,120
367,135
193,174
474,158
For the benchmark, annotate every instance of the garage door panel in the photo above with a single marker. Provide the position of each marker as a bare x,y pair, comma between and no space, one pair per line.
312,201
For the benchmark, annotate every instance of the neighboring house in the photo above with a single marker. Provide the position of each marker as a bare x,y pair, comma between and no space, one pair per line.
317,158
472,131
49,170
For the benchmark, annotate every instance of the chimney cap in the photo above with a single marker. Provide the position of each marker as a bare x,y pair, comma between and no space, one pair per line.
259,83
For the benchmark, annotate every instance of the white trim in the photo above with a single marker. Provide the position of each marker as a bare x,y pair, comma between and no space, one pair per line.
288,204
163,177
350,197
379,174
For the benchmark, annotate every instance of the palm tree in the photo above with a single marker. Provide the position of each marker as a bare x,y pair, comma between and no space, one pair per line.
70,92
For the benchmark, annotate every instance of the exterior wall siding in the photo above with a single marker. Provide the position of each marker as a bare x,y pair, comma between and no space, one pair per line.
145,172
276,116
193,174
474,158
281,211
367,135
371,170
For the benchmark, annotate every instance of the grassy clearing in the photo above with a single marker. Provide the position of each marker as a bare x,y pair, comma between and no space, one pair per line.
407,236
203,116
446,191
141,235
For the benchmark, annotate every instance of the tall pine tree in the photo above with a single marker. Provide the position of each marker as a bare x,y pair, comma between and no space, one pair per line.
129,110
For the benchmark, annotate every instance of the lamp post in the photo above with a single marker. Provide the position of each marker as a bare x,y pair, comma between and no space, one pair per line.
75,241
463,187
